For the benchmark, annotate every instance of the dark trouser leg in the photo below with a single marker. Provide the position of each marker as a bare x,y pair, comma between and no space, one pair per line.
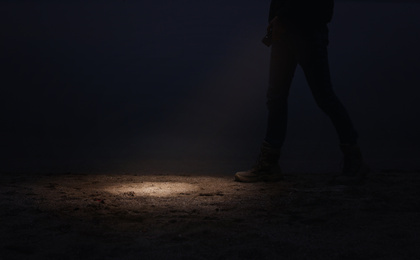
282,68
313,57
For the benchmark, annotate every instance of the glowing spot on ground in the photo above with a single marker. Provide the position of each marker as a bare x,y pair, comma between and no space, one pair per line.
155,189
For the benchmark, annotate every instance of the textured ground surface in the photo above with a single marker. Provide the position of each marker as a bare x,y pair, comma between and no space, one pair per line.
76,216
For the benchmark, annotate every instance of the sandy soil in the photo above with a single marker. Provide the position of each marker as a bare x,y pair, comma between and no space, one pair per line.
76,216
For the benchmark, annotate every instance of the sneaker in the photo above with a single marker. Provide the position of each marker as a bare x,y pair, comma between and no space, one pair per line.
265,169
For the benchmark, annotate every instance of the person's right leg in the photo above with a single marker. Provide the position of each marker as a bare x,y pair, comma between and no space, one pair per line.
283,64
282,67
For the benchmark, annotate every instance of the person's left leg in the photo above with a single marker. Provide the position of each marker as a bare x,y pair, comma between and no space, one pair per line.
313,58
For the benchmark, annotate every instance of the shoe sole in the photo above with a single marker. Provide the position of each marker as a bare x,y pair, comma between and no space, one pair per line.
359,178
266,178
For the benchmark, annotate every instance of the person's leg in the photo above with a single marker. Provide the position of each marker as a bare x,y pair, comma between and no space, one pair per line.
313,58
283,64
282,67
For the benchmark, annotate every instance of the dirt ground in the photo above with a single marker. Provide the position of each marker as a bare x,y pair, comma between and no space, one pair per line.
112,216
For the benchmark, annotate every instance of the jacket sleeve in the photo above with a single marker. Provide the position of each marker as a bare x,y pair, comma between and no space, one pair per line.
279,8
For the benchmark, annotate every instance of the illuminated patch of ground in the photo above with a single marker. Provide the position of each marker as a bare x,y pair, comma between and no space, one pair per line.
155,189
201,217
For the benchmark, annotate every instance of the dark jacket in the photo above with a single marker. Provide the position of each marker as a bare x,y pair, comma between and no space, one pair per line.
304,13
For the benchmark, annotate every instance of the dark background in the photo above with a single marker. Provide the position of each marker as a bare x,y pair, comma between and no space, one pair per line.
149,86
